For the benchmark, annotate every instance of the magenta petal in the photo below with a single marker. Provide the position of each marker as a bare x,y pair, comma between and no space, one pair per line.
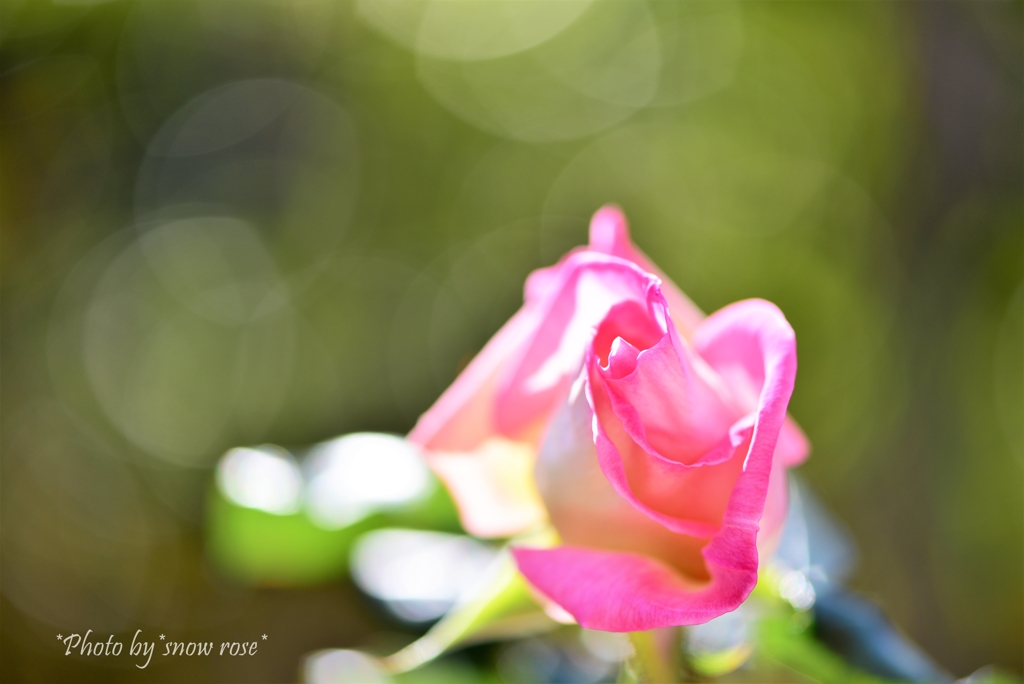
624,592
616,591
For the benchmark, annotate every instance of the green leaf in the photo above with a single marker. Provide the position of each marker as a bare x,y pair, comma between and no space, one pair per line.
261,548
257,547
786,641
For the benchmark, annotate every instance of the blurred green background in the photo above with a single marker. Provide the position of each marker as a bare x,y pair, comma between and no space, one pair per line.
229,223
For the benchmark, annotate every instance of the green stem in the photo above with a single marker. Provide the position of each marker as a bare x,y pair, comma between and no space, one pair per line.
655,662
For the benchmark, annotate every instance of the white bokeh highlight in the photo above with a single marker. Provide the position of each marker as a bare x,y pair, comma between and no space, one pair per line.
419,575
265,478
342,666
359,474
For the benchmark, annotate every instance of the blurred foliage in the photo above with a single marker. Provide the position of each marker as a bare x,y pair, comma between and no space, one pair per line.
275,222
785,643
259,547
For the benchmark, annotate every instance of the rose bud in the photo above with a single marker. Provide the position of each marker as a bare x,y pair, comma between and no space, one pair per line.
662,435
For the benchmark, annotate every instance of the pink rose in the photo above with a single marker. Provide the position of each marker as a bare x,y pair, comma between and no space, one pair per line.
654,440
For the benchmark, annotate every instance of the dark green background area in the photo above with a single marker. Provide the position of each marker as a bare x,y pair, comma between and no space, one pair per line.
372,215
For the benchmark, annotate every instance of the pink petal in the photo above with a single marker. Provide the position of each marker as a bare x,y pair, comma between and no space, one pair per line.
463,416
514,385
688,499
609,233
589,284
618,591
725,343
624,592
493,486
793,447
671,403
663,426
754,334
585,509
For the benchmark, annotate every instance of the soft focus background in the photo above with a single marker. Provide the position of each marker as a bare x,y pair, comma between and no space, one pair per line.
235,223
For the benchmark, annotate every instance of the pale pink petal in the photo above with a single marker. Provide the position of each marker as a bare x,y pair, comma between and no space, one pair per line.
775,506
791,450
545,282
463,416
494,487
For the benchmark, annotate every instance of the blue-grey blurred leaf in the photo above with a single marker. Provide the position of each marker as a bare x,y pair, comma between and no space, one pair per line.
859,631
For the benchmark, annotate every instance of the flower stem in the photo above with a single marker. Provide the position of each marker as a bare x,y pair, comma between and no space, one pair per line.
654,656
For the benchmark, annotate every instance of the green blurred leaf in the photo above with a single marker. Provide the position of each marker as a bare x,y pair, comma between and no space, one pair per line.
257,547
786,640
720,662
